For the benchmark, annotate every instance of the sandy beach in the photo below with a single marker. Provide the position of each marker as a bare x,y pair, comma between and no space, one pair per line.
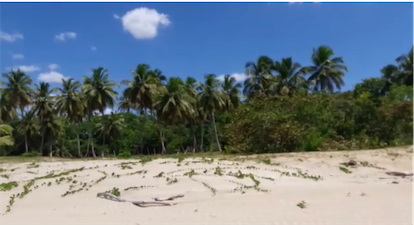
296,188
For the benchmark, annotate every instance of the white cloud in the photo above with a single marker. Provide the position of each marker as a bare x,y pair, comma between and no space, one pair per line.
17,56
53,66
24,68
93,48
51,77
117,17
107,111
65,35
10,37
238,76
143,23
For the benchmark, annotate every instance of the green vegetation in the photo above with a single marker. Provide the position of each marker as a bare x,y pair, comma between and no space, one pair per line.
281,107
8,186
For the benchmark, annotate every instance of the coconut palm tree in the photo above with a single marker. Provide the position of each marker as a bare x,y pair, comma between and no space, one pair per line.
29,127
6,138
327,71
290,76
260,78
143,87
17,89
173,105
232,93
109,128
70,104
99,94
405,64
211,100
43,107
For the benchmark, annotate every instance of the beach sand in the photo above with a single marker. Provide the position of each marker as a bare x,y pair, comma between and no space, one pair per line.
213,192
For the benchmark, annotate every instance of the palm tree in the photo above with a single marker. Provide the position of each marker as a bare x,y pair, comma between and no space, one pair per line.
326,72
232,93
99,94
6,138
17,89
29,126
405,64
260,78
7,113
290,76
110,127
70,104
43,107
173,105
391,74
211,99
142,89
192,86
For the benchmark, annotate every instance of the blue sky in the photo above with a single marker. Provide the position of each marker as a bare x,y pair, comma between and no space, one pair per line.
51,40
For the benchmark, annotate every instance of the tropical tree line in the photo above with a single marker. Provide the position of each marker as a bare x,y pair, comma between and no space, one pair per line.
281,106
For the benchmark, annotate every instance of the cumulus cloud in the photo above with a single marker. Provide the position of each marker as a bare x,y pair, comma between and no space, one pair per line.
53,66
238,76
10,37
17,56
51,77
25,68
65,36
143,23
93,48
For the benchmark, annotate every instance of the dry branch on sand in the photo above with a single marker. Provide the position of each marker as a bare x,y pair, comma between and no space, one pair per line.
157,201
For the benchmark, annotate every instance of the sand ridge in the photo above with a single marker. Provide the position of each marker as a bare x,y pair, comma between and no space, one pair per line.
297,188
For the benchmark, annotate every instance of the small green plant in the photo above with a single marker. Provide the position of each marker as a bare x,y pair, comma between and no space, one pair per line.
8,186
115,191
146,159
124,155
30,154
32,165
266,161
11,202
190,173
301,204
344,169
218,171
5,176
171,181
159,175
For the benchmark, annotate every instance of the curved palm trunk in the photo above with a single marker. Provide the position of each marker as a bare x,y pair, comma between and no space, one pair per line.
79,150
162,142
202,136
215,131
90,138
26,144
42,141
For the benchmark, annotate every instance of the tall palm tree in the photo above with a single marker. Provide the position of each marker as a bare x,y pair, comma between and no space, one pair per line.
17,89
43,106
232,93
211,99
260,78
173,105
6,138
110,128
29,127
290,76
69,103
327,72
142,89
391,74
7,113
405,64
99,94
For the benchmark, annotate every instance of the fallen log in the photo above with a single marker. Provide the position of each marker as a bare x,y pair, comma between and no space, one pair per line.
157,202
399,174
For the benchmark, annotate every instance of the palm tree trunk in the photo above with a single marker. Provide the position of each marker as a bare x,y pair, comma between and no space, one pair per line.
91,138
103,145
26,144
50,151
42,141
78,139
215,131
162,143
202,137
194,138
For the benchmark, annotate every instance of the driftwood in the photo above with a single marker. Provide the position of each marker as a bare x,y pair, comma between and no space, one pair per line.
399,174
157,202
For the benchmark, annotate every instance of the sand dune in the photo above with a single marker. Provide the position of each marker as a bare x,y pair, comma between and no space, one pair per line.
299,188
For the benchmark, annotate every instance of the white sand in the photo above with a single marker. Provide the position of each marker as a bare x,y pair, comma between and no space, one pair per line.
365,196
